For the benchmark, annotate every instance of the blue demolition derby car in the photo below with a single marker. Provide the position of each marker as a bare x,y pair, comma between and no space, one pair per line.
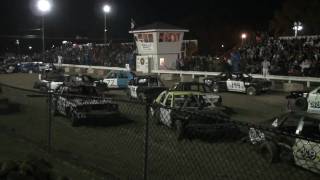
118,79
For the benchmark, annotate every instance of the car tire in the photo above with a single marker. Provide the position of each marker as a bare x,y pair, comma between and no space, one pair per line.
179,129
74,120
301,104
251,91
215,88
269,152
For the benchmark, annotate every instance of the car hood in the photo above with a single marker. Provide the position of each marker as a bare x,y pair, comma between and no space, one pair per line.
85,101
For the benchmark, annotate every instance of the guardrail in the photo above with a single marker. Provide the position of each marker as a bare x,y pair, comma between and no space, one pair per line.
308,80
290,79
92,67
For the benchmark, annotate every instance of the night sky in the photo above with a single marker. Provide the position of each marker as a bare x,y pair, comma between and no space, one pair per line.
212,22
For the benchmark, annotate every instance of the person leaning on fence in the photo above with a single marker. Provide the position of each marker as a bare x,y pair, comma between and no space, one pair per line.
265,67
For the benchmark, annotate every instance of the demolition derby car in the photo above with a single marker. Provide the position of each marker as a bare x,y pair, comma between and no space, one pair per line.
238,82
145,88
285,138
190,114
55,79
81,103
51,79
198,87
118,79
304,101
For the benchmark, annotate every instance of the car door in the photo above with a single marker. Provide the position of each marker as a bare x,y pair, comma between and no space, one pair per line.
165,110
111,80
133,88
122,81
235,84
307,153
314,101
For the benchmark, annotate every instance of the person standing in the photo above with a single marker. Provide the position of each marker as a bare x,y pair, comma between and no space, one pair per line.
265,67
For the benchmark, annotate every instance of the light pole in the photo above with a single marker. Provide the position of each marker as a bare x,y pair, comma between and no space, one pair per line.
297,26
243,38
18,46
44,6
106,9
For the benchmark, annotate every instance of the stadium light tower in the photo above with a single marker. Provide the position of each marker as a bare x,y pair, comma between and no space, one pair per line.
44,7
106,9
297,26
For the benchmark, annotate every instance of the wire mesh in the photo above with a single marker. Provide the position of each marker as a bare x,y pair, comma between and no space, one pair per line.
196,144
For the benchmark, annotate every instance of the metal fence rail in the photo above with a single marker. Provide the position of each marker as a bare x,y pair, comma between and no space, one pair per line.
289,79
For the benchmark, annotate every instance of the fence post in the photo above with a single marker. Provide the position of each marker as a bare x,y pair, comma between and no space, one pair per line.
146,145
50,117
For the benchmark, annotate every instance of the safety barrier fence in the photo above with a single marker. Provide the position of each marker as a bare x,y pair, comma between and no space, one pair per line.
132,140
289,79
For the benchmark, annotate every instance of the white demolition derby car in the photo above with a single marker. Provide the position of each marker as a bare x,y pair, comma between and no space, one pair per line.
293,136
310,102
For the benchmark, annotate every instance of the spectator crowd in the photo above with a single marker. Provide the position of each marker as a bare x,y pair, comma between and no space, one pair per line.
286,56
113,55
266,55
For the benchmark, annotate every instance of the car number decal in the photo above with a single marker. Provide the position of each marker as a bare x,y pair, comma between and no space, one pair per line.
306,154
314,104
133,91
235,86
111,82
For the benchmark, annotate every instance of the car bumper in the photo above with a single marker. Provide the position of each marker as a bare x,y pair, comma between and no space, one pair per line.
98,116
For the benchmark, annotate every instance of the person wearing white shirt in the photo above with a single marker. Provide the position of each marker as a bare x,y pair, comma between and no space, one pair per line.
265,67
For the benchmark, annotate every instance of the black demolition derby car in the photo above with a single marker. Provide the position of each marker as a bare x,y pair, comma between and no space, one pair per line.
285,138
191,115
145,88
238,82
81,103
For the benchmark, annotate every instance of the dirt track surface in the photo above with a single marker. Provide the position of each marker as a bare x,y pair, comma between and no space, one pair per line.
118,148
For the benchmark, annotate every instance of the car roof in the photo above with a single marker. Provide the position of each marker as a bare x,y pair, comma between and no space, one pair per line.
198,83
185,93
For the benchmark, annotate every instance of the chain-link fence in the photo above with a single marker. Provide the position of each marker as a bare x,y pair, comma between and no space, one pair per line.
198,143
114,138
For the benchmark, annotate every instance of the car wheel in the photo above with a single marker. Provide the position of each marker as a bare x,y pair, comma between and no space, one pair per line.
269,152
251,91
179,129
74,120
301,104
215,88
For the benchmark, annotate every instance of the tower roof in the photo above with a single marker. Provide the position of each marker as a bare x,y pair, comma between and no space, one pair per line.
158,26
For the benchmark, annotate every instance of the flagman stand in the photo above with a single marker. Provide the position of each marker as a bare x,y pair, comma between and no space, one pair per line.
159,46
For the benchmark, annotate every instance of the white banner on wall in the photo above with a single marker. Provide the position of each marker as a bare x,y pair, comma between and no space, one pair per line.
143,64
147,46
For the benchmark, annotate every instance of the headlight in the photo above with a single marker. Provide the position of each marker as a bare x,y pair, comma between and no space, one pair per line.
256,136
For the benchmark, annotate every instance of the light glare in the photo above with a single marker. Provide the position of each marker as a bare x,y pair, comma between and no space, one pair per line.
106,9
44,6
